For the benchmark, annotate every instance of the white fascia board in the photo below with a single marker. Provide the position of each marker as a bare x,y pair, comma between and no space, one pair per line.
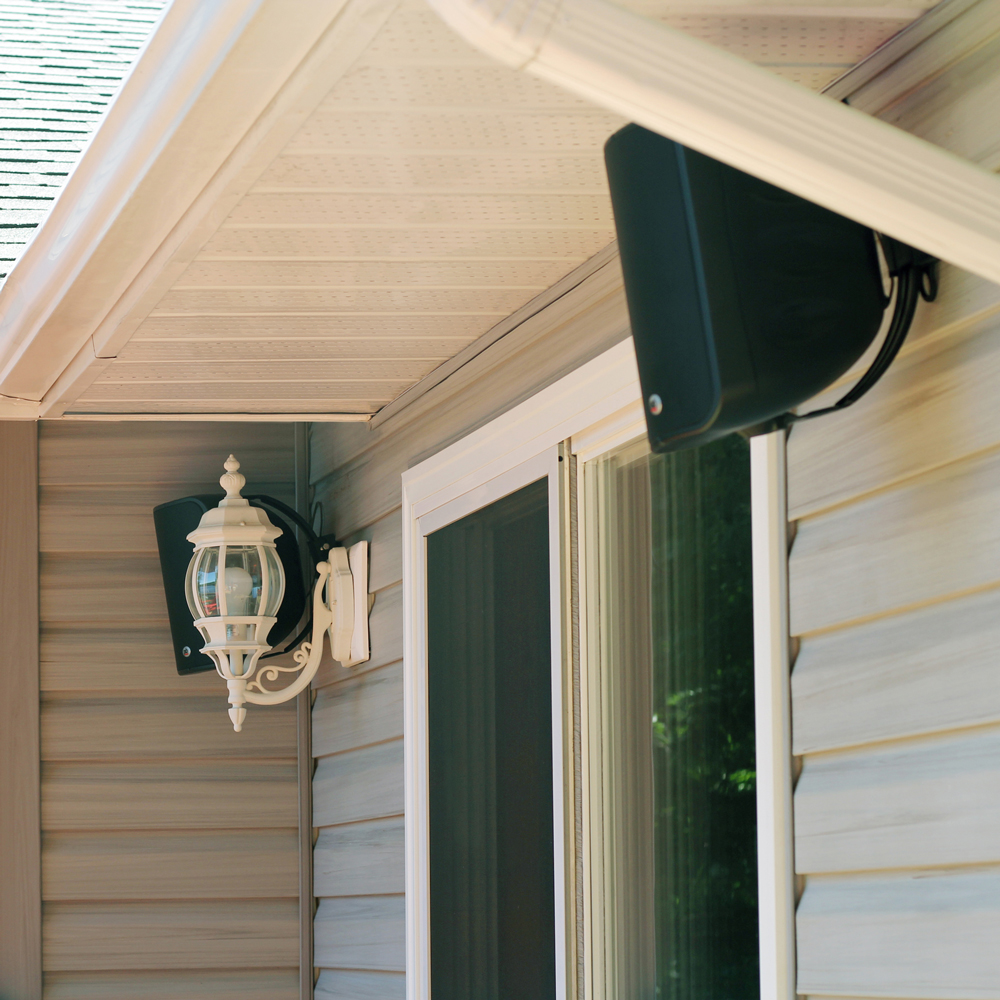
209,75
746,116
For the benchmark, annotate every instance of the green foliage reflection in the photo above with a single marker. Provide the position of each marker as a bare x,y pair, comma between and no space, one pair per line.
703,725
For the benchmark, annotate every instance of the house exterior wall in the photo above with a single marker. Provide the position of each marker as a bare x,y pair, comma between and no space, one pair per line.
169,843
20,865
894,575
893,608
358,712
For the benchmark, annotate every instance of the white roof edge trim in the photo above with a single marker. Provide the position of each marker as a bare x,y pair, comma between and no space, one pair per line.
179,59
744,115
211,72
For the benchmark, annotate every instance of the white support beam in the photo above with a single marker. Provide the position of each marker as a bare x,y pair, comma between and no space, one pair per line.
773,700
746,116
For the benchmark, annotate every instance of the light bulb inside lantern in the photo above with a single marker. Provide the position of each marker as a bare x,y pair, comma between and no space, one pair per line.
239,584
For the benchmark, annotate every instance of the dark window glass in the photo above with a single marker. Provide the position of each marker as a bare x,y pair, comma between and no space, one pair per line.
490,753
704,789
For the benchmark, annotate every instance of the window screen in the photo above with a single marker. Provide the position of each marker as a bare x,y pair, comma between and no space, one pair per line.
490,753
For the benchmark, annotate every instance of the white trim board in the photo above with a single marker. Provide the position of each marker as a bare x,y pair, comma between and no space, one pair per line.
587,395
773,718
749,118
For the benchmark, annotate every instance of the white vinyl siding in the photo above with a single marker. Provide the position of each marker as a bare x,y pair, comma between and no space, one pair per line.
169,843
894,573
358,712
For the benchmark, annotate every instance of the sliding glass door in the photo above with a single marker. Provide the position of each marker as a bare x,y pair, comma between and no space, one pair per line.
586,692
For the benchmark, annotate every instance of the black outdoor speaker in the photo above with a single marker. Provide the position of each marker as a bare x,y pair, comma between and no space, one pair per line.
174,521
744,300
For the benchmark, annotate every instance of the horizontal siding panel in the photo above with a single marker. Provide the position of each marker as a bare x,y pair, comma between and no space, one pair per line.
139,656
171,865
362,710
919,804
922,541
385,625
930,669
97,587
926,935
934,405
75,454
359,859
360,784
98,519
240,934
122,728
176,795
260,984
339,984
361,932
385,550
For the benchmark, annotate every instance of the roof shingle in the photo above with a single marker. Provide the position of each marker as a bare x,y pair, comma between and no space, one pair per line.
61,62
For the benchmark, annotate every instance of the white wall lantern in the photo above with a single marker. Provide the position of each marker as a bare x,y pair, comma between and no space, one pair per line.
234,586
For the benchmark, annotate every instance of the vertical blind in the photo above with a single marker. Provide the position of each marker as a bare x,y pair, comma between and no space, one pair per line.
671,723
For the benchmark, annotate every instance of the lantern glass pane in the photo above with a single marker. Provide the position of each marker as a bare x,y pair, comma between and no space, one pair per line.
206,579
276,580
188,594
242,580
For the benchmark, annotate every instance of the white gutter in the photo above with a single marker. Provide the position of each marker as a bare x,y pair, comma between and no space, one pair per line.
219,88
746,116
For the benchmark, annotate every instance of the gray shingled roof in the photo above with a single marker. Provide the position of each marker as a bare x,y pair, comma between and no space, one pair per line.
61,62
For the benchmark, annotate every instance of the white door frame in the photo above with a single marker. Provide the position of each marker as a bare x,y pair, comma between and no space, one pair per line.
598,406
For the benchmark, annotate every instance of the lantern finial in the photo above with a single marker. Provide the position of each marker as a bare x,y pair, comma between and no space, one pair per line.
232,482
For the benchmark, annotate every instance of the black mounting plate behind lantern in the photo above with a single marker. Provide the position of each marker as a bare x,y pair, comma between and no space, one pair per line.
744,300
173,521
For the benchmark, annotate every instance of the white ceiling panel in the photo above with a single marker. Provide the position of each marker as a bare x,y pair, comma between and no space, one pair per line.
431,349
403,243
235,328
429,195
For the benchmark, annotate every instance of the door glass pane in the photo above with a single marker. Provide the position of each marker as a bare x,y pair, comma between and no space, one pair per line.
670,709
490,753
